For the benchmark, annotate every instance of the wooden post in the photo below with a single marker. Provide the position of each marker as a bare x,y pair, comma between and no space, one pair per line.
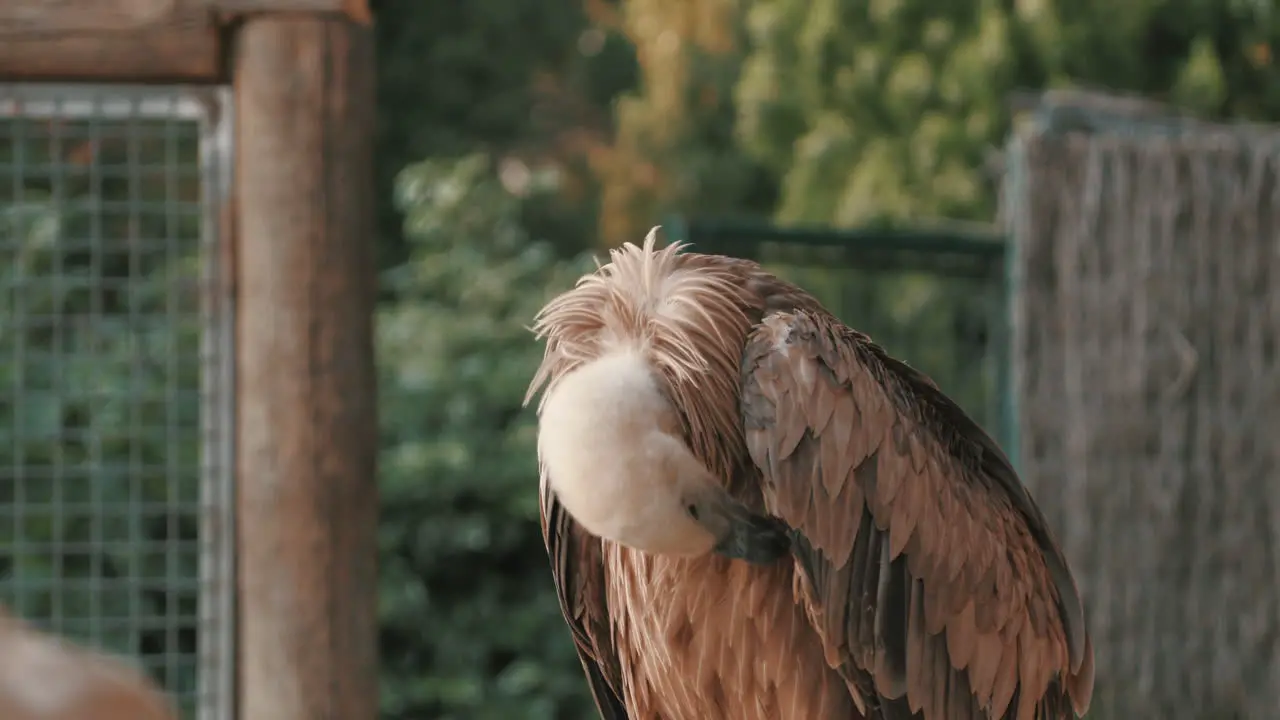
307,435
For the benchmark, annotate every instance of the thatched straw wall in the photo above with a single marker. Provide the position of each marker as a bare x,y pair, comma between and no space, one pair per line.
1147,371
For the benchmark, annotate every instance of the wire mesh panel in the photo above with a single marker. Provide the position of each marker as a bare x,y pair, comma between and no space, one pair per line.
935,299
114,386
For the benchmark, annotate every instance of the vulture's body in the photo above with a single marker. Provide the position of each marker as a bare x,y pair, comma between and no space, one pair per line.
44,677
754,514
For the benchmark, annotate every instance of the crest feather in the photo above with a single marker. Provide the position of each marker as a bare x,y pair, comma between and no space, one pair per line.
687,316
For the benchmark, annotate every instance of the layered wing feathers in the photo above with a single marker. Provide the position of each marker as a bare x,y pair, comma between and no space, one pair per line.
927,565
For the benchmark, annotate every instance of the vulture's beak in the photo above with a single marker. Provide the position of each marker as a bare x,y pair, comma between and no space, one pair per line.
739,532
756,539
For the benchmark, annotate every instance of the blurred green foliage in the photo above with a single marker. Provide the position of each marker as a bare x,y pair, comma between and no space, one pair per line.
470,627
889,108
673,147
502,76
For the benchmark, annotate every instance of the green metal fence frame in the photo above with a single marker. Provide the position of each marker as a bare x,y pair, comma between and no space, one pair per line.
951,250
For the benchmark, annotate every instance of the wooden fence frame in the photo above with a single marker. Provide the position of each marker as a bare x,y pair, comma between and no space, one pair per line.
299,256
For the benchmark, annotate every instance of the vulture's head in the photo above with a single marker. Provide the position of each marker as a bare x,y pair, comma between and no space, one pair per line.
610,446
635,364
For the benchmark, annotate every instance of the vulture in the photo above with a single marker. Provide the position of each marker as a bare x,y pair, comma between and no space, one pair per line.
754,513
43,677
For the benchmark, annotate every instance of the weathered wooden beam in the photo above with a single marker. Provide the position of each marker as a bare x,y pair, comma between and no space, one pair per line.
134,40
40,17
357,10
144,57
307,421
108,40
37,19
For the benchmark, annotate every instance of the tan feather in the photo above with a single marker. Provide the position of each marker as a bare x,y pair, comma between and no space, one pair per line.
942,675
791,425
962,638
1080,685
982,670
919,670
905,513
844,456
1006,681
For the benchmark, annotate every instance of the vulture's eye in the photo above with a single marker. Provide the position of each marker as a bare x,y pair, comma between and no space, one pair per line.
693,511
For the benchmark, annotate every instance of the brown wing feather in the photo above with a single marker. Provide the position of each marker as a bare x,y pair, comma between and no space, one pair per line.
929,568
577,568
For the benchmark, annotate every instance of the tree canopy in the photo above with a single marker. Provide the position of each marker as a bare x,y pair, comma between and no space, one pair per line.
888,108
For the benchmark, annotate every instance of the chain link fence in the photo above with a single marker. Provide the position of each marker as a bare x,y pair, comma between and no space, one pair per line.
115,422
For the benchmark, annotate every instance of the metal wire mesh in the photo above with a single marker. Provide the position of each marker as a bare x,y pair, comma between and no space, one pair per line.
114,480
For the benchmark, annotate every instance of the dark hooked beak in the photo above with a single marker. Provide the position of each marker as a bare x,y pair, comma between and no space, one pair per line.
757,539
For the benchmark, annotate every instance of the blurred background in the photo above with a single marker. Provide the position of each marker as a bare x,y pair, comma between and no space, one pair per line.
1066,212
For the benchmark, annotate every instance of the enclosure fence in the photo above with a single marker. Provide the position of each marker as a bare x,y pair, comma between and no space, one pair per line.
1146,364
182,346
115,367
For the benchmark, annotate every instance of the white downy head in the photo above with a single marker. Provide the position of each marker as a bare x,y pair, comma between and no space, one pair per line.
636,351
609,443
